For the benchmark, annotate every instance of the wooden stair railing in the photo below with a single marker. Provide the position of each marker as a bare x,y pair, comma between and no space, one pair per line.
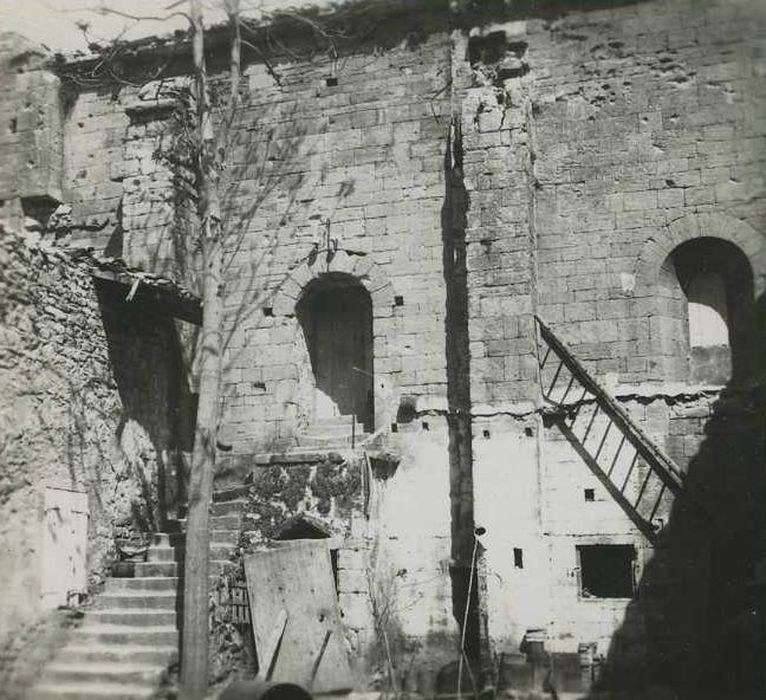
637,473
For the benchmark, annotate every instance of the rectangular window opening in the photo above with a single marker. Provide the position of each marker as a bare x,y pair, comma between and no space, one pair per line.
518,558
590,495
606,570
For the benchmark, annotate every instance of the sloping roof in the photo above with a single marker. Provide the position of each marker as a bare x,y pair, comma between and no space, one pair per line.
138,284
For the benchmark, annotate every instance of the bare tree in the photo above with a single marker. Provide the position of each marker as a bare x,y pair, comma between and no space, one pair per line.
204,149
195,642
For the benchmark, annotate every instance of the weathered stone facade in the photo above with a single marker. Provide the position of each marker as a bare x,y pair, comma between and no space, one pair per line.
464,170
88,385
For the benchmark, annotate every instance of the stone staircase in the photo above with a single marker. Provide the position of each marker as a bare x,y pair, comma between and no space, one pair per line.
129,637
335,432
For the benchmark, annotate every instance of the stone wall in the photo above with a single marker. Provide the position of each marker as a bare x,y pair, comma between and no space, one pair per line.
86,384
468,172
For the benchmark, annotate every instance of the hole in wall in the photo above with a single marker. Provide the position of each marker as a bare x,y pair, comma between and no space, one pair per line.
518,557
268,311
485,433
407,409
606,570
529,432
398,300
424,425
331,81
394,428
590,494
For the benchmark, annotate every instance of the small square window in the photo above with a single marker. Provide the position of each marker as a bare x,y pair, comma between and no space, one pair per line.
590,495
606,570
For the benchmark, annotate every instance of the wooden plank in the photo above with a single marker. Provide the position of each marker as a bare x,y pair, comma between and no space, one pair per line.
297,577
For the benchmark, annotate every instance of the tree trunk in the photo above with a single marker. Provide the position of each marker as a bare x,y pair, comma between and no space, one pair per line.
195,636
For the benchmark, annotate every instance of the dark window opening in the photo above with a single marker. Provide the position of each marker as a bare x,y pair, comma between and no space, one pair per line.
518,558
331,81
590,495
398,301
302,528
485,434
335,313
606,570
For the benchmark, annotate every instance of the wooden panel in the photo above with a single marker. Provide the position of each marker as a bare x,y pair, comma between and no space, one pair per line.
64,546
297,577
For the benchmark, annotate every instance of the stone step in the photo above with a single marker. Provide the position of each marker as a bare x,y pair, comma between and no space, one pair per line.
325,443
125,673
217,522
230,494
135,617
164,635
167,539
157,568
91,691
171,569
130,653
234,507
155,600
149,583
176,539
165,553
219,510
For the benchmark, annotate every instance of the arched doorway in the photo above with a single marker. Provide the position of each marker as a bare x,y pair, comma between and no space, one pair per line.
707,310
335,312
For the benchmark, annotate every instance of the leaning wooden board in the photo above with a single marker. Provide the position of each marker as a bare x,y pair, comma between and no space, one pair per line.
297,576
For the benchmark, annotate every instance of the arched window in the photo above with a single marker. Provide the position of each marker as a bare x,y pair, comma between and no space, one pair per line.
335,312
708,310
706,317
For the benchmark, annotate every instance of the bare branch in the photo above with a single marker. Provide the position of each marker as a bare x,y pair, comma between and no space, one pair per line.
141,18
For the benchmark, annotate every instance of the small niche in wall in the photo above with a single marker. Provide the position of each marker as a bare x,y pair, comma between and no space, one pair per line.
268,311
485,434
518,557
394,428
425,425
331,81
590,495
398,300
529,432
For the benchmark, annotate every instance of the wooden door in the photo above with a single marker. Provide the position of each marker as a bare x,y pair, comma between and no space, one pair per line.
65,524
342,352
297,577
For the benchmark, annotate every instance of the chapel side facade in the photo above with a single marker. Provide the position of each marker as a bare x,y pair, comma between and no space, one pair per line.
418,224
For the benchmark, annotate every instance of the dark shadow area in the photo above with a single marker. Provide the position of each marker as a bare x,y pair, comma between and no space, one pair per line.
335,313
145,355
453,223
696,623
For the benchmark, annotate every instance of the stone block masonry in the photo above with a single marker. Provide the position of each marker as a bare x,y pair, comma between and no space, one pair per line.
423,195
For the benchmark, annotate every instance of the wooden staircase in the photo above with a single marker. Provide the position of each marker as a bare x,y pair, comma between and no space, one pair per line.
633,469
130,635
